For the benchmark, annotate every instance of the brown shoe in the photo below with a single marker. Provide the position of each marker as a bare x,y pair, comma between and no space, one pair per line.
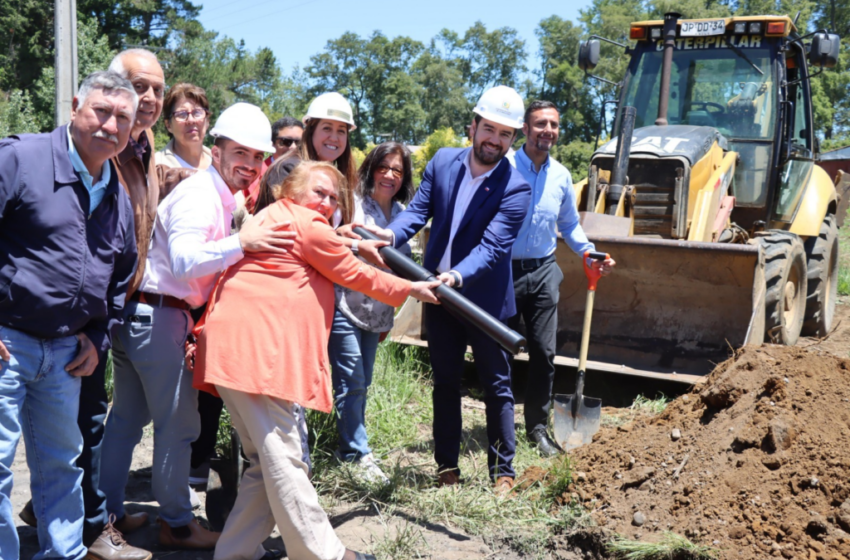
448,478
131,522
110,545
27,515
503,485
199,539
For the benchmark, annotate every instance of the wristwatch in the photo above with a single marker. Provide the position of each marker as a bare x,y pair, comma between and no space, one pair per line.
355,247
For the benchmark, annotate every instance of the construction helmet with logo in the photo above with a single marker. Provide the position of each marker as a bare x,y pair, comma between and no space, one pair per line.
502,105
331,106
245,124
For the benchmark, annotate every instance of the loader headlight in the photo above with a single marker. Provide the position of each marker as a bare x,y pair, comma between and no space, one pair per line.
740,27
755,28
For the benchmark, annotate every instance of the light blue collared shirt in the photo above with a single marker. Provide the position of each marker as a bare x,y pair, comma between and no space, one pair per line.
96,190
553,209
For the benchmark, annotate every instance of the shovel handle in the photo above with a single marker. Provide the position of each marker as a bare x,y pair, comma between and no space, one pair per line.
593,274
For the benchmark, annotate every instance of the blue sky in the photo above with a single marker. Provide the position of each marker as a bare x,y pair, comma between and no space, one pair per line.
297,29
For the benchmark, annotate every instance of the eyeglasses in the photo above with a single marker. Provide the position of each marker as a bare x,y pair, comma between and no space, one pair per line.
397,173
284,142
183,116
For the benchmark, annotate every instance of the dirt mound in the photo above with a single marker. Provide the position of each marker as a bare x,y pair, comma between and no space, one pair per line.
755,462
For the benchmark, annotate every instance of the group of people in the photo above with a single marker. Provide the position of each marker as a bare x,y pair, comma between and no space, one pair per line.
222,276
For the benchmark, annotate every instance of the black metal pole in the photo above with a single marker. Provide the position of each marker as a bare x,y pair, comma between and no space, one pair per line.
405,267
671,21
621,158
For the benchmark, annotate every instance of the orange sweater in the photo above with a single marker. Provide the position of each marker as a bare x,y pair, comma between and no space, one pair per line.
269,316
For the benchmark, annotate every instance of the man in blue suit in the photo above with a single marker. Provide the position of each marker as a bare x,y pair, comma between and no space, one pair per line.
478,202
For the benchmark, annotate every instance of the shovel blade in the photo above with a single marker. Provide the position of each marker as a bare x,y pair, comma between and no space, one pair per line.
577,418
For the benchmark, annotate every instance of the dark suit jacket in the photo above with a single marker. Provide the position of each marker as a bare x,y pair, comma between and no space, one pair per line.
481,250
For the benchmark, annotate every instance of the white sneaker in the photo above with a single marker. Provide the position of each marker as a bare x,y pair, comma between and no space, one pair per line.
371,471
194,499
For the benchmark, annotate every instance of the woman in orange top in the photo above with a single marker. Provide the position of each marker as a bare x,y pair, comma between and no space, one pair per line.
264,348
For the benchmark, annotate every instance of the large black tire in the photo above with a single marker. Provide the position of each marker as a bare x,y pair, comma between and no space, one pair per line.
785,278
822,266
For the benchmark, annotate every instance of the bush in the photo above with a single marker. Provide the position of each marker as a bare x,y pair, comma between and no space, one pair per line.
441,138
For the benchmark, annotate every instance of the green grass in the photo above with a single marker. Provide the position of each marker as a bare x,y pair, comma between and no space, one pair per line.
398,418
642,406
406,544
561,476
109,379
844,259
654,406
670,547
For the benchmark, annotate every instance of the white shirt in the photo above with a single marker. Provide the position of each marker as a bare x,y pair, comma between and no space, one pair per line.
183,163
468,188
191,242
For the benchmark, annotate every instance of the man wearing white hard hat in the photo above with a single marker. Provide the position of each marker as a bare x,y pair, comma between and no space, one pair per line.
191,245
477,201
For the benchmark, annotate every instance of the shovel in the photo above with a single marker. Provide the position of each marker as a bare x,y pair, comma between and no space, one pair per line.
577,417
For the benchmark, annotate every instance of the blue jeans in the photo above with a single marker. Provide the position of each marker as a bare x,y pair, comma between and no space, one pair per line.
352,353
39,398
151,383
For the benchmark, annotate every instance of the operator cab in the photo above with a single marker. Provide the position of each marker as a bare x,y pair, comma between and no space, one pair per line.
725,74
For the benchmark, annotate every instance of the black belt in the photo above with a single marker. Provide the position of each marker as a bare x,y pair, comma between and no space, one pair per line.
531,264
160,300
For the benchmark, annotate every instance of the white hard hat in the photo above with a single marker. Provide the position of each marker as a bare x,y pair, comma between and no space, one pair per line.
245,124
502,105
331,106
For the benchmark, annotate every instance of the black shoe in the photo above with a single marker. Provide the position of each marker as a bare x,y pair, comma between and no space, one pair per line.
273,554
544,443
27,515
363,556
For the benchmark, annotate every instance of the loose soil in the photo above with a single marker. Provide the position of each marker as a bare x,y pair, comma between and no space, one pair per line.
766,441
754,462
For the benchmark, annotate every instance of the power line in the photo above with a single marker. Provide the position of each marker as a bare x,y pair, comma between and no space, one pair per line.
265,16
226,4
241,10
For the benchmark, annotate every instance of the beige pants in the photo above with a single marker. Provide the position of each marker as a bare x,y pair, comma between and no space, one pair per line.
275,488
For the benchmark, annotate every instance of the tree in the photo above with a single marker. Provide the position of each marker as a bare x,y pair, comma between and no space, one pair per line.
139,22
444,97
830,89
342,68
16,114
391,92
26,41
441,138
93,54
486,58
226,69
563,83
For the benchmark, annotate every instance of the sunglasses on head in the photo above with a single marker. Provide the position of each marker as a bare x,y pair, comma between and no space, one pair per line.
283,142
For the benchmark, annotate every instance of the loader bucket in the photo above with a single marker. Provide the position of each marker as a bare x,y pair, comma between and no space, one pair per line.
671,310
669,307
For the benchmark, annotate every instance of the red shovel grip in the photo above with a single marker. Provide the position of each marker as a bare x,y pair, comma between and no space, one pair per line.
593,274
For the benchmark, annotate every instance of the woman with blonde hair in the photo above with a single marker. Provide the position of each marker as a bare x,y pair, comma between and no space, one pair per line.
262,365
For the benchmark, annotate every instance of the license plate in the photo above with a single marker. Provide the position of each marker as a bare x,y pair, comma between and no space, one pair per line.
702,28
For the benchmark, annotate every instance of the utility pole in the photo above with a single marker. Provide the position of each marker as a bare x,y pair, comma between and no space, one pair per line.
65,28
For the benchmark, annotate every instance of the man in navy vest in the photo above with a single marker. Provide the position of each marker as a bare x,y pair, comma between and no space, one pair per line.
477,201
67,254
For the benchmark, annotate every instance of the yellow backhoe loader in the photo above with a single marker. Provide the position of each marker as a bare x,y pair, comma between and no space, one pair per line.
708,196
